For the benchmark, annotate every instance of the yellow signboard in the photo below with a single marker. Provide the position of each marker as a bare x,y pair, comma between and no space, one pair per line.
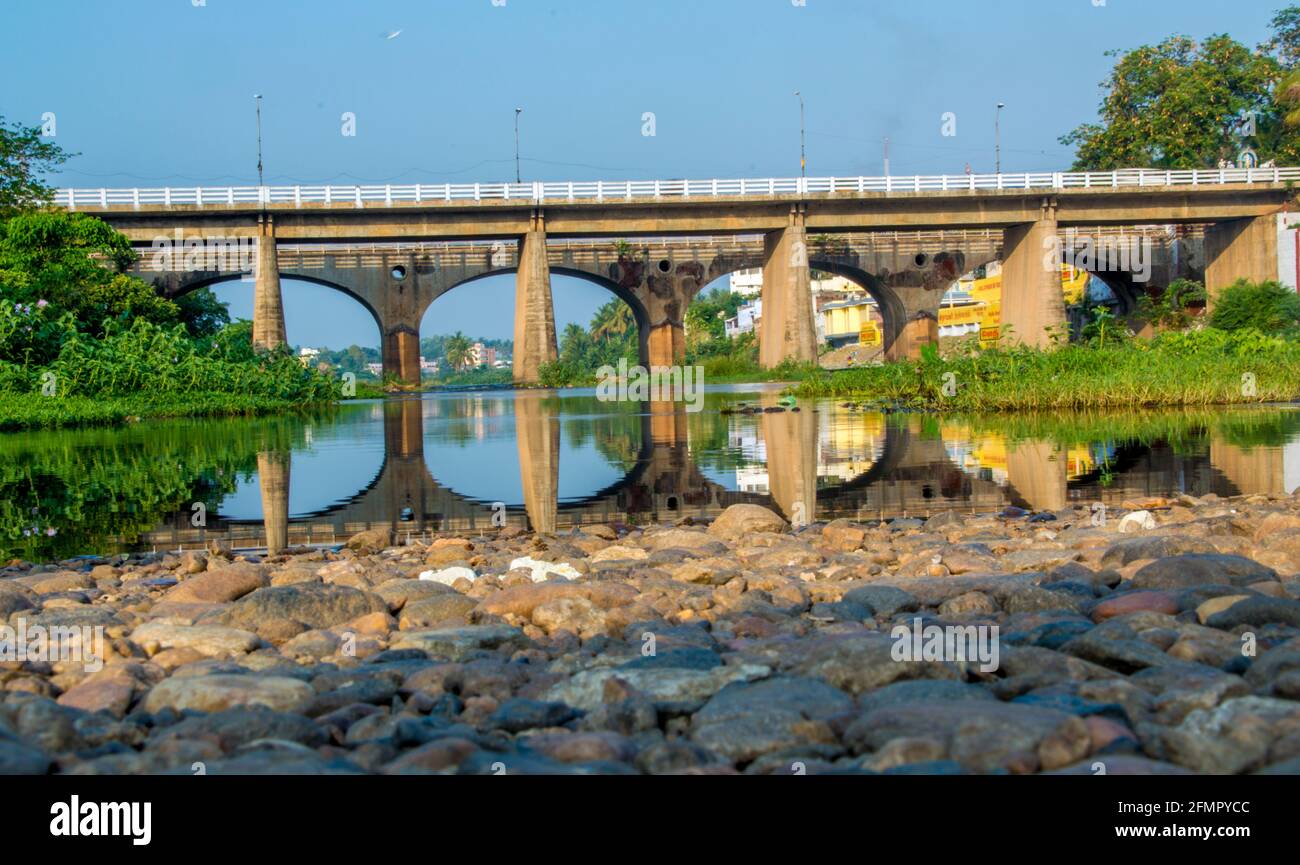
954,315
869,334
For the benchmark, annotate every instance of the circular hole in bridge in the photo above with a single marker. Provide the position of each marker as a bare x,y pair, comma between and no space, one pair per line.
920,259
399,272
665,265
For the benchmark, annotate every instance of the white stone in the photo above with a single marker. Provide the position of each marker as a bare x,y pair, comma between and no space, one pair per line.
541,570
447,576
1137,521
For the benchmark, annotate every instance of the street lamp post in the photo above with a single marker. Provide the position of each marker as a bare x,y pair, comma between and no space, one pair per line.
997,137
517,176
258,100
803,159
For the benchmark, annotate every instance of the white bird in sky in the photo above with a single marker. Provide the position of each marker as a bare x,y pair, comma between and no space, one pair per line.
392,34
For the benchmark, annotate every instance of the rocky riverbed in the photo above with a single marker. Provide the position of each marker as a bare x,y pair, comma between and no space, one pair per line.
1164,638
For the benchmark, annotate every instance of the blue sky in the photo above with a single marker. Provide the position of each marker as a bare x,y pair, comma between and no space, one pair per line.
159,92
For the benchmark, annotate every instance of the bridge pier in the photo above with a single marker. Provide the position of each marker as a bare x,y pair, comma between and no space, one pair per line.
787,328
1031,290
1239,249
273,479
401,353
268,303
535,342
664,344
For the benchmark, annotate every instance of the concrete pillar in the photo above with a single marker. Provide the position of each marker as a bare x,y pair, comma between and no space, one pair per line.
273,479
790,442
665,345
401,353
1031,279
535,342
1239,249
921,329
537,432
268,303
787,328
1036,475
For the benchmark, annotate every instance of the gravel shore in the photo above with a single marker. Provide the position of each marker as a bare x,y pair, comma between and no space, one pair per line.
1163,637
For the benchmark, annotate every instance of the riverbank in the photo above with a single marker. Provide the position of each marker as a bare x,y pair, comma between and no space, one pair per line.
1162,639
33,411
1182,369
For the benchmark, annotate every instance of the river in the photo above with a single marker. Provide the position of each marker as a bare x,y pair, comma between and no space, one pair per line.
545,460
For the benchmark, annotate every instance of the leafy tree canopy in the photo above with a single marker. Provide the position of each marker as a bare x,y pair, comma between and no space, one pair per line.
24,157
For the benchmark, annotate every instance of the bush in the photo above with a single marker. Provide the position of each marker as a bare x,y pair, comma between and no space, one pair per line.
1268,307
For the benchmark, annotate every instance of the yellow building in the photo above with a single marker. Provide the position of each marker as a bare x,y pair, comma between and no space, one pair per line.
859,321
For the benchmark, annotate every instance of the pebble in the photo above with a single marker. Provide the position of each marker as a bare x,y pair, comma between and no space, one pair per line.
742,646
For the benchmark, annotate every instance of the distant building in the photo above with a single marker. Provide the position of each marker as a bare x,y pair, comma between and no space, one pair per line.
481,355
307,355
376,369
745,320
748,282
428,365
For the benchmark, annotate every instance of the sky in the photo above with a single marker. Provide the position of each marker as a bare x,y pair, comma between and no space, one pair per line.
160,92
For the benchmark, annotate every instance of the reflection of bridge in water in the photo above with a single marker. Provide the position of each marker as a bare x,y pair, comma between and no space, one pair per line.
911,474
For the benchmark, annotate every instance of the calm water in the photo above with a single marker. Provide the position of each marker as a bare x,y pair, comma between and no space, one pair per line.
548,461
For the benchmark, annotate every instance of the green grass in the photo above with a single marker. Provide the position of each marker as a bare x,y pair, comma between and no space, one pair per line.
1180,369
33,411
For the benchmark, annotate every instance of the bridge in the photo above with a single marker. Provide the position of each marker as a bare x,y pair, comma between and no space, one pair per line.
655,244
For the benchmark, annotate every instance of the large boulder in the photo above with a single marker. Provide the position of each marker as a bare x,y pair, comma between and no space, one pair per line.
220,585
739,520
217,693
310,604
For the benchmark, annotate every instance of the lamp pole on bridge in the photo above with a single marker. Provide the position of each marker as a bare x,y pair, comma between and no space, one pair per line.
257,98
517,113
997,138
803,160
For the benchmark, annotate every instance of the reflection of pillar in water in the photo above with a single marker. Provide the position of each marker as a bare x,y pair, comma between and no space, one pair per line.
538,434
667,421
404,505
669,472
1036,475
1254,471
273,477
790,441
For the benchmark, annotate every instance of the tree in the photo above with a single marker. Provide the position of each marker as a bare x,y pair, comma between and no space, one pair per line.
614,319
457,349
1285,42
202,313
1181,104
71,261
24,157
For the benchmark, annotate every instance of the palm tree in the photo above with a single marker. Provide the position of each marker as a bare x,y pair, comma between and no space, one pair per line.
1288,96
457,350
612,320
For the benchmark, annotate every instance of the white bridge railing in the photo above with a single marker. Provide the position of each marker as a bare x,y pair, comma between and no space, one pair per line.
605,190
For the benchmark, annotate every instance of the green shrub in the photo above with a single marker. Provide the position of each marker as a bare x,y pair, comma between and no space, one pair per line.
1269,307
